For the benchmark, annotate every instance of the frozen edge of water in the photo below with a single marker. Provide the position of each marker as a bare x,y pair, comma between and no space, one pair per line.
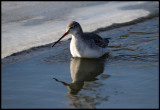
35,51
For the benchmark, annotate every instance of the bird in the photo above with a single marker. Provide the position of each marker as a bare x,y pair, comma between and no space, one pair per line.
84,44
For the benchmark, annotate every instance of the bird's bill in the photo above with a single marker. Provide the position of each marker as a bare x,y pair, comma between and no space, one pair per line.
60,38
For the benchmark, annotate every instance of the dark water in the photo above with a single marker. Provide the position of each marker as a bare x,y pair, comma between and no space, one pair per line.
126,77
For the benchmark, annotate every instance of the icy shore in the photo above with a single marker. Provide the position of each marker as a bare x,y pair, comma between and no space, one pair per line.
30,24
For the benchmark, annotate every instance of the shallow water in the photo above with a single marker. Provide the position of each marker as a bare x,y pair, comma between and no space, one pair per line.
126,77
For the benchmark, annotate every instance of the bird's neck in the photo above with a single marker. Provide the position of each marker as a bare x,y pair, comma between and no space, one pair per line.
77,34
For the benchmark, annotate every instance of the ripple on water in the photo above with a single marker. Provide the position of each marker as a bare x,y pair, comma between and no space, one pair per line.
138,42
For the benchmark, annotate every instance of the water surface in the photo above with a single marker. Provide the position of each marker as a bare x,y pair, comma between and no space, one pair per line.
126,77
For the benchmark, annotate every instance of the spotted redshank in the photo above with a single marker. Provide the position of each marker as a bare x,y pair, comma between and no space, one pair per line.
85,45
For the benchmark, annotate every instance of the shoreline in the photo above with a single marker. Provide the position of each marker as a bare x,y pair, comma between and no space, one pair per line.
44,25
35,51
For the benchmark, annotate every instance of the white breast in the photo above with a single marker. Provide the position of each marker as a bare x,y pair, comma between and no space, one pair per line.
75,47
79,48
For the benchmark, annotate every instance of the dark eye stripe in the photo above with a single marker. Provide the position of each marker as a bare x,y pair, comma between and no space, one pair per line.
71,27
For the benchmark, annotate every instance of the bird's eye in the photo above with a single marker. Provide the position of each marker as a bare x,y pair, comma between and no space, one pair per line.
71,27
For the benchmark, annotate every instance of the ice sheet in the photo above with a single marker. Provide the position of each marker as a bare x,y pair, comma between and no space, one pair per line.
30,24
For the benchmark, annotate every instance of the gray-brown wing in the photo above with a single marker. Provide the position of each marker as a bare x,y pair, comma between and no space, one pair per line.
102,42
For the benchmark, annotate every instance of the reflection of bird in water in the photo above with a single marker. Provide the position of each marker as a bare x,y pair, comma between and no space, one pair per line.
83,70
